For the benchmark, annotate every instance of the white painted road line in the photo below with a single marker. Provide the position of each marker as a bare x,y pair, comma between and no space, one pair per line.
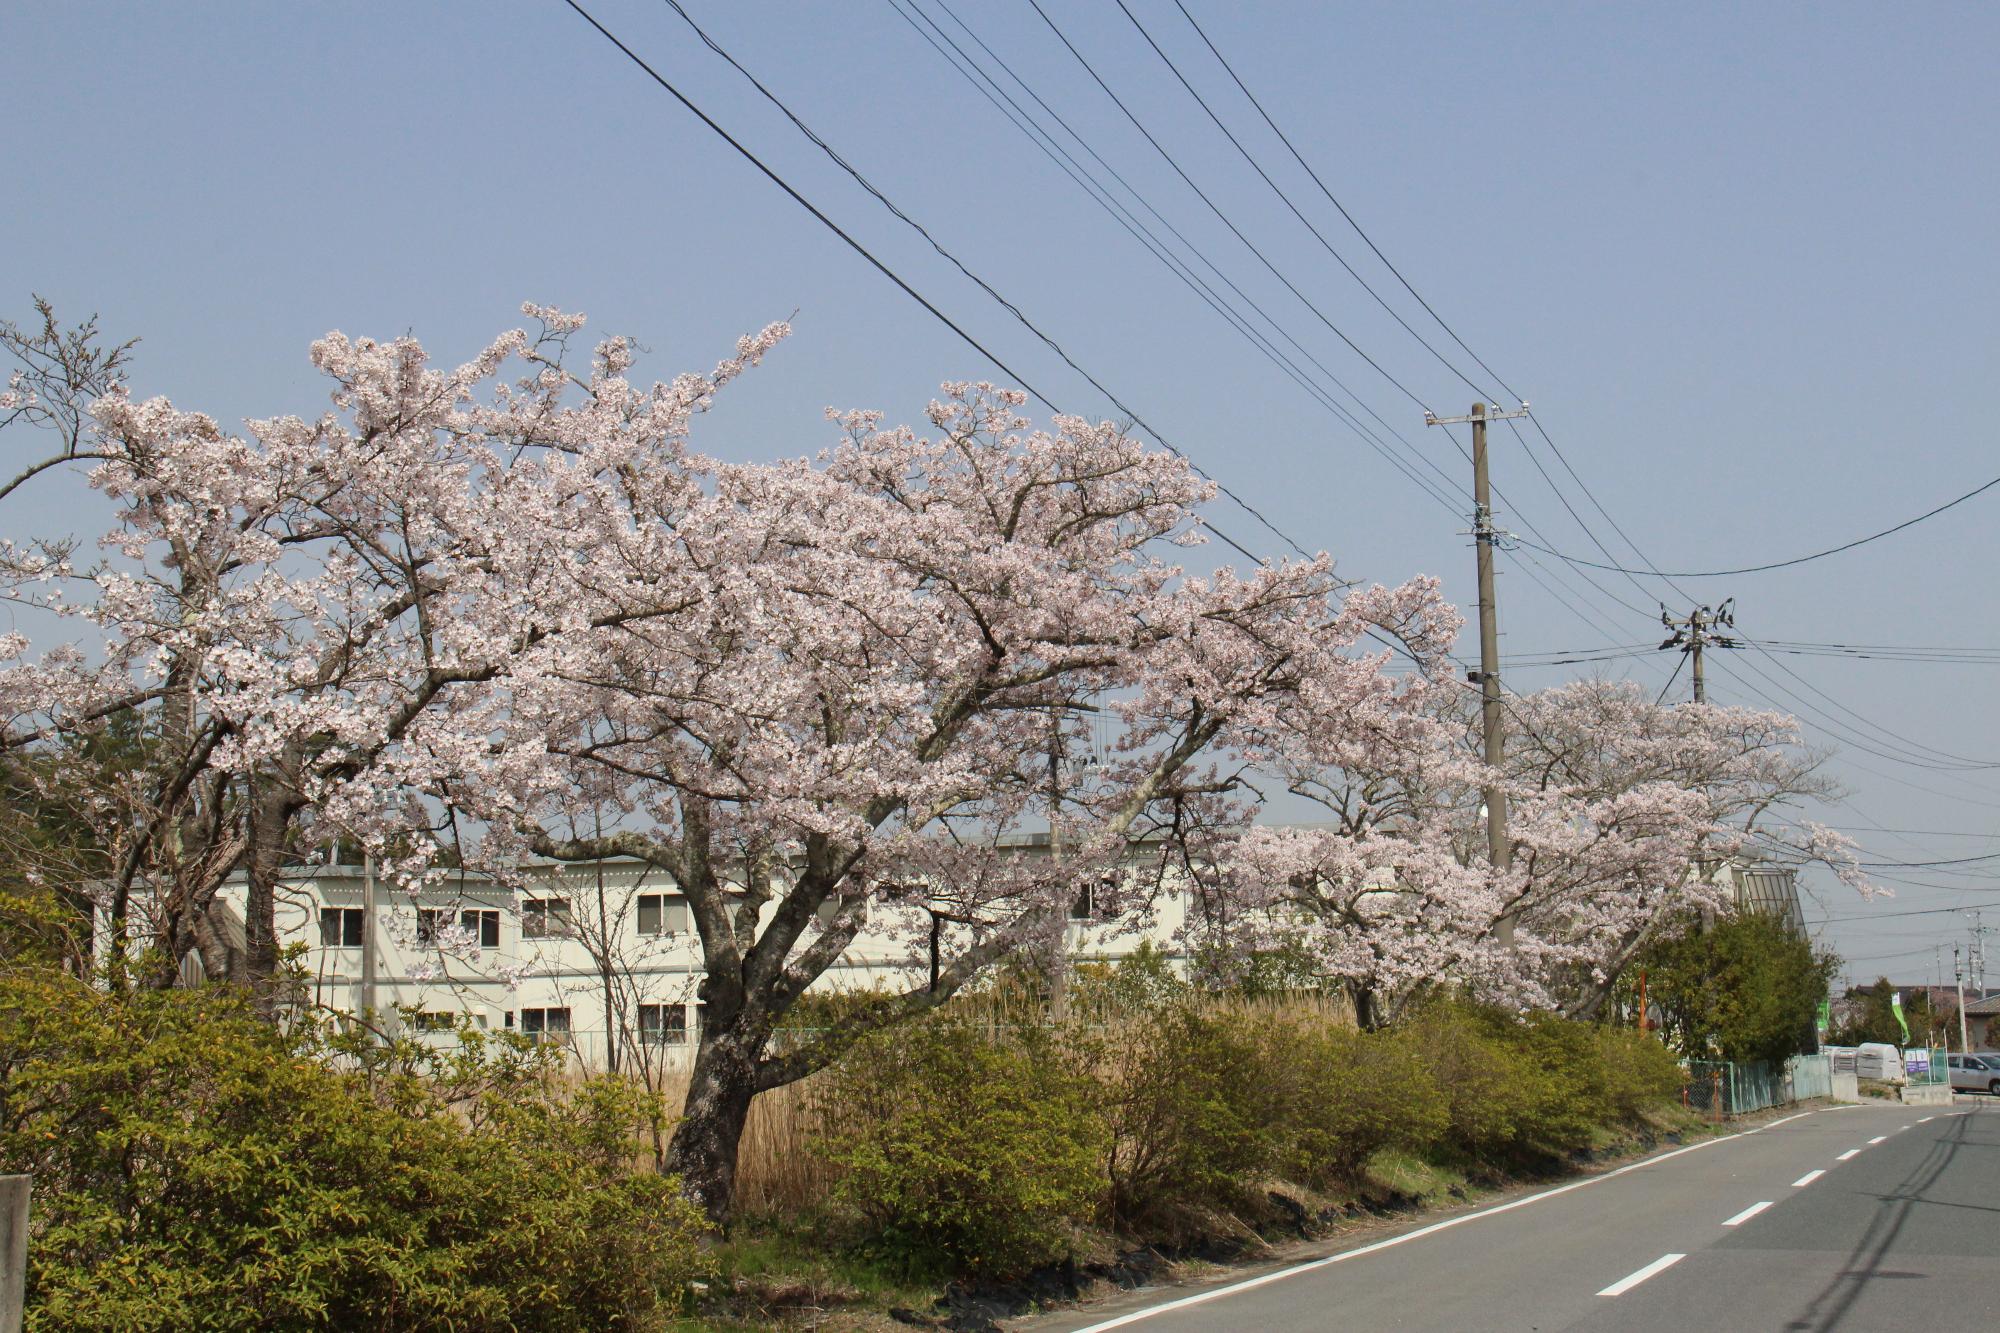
1659,1265
1927,1119
1851,1152
1747,1214
1312,1265
1807,1179
1877,1139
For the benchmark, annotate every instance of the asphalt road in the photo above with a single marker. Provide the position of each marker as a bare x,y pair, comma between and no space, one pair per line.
1861,1217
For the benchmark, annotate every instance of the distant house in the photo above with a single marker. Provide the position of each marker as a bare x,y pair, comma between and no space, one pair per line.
1982,1020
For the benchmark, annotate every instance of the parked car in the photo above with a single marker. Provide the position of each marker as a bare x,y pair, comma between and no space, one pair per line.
1974,1073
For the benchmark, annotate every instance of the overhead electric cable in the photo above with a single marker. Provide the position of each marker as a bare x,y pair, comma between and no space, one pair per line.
1780,564
1278,190
1342,208
961,62
1216,209
889,204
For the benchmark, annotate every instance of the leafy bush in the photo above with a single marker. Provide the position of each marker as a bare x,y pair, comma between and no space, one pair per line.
195,1168
1641,1074
1522,1090
1355,1094
961,1153
1196,1115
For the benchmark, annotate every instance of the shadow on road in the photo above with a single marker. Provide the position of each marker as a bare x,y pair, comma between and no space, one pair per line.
1832,1303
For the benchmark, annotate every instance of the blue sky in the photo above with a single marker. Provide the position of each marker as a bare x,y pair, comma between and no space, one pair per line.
1741,259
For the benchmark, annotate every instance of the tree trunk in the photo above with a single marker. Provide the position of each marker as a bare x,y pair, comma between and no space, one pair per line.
270,811
710,1134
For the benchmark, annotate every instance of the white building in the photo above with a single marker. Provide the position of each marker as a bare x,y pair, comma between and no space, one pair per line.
592,953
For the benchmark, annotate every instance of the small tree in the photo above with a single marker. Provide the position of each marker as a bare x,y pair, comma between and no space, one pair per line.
1748,989
1868,1013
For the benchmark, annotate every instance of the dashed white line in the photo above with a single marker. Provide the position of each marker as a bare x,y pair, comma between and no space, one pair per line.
1658,1266
1807,1179
1877,1139
1927,1119
1747,1214
1851,1152
1313,1265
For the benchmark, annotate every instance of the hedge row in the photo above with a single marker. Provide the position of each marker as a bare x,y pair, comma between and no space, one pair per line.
966,1150
195,1168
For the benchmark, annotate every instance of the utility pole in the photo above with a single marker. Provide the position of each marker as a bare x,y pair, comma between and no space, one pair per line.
1958,979
1499,850
1059,970
1696,631
368,939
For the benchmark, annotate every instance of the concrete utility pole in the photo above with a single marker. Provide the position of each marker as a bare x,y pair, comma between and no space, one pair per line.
1059,969
368,937
1958,979
14,1191
1498,848
1696,631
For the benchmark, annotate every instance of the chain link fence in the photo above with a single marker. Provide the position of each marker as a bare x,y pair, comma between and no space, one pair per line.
1719,1089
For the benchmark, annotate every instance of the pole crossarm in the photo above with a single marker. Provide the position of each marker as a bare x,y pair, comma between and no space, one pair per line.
1697,630
1492,413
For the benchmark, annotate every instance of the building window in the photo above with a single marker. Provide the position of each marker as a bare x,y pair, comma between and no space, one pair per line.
340,927
485,924
1083,907
546,919
546,1024
663,1025
433,1021
428,921
661,914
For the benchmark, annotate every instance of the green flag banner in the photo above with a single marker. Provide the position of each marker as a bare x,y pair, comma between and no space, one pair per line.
1896,1004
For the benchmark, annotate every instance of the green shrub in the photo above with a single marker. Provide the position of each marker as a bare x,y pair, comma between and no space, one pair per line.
1197,1114
961,1153
1354,1095
195,1168
1482,1081
1524,1090
1641,1073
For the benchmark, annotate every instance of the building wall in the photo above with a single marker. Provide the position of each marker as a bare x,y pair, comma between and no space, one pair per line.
515,982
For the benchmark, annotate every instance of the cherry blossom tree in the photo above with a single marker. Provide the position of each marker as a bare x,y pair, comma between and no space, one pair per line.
1619,812
817,693
857,707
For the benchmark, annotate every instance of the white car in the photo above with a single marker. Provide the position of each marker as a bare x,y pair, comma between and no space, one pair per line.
1974,1073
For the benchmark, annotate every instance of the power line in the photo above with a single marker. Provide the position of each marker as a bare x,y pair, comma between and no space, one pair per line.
1367,434
1278,190
1527,451
1781,564
961,61
904,217
1216,209
1342,208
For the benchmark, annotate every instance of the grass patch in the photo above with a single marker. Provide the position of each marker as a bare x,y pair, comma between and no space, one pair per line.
1406,1175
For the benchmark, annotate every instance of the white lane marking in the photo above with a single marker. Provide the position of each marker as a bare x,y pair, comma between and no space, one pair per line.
1747,1214
1877,1139
1807,1179
1788,1120
1249,1283
1927,1119
1659,1265
1851,1152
